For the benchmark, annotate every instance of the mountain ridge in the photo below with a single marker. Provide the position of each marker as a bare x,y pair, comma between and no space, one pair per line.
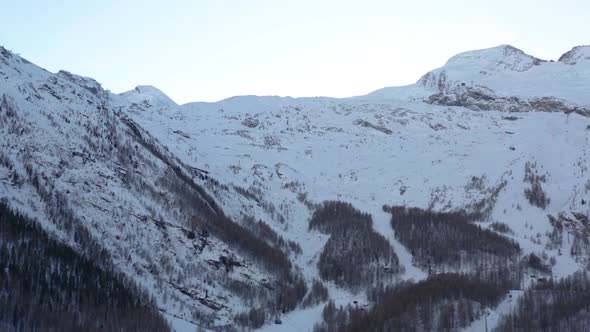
504,55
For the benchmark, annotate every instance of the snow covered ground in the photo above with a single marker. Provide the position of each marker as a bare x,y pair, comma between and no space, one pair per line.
388,147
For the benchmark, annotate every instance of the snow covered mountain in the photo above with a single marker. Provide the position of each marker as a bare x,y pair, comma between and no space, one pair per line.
188,200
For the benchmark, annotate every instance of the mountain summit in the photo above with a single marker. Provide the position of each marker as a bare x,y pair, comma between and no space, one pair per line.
500,58
576,54
149,95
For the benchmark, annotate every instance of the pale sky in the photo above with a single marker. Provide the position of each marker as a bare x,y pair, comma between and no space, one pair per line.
210,50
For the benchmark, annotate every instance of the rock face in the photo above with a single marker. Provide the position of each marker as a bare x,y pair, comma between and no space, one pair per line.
482,99
250,122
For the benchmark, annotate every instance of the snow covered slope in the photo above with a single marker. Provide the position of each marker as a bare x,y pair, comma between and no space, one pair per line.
99,182
506,78
149,96
403,146
466,133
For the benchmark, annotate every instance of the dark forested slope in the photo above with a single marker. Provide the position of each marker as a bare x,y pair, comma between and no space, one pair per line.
47,286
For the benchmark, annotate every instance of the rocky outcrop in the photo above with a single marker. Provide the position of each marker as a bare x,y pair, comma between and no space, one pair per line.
479,98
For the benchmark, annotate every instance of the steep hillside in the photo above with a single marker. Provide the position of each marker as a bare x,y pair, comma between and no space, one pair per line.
100,183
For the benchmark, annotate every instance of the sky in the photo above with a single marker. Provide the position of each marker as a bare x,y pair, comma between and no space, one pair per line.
211,50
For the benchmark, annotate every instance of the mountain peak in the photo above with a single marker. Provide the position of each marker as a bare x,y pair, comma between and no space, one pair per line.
87,83
151,95
576,54
499,58
148,89
508,71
